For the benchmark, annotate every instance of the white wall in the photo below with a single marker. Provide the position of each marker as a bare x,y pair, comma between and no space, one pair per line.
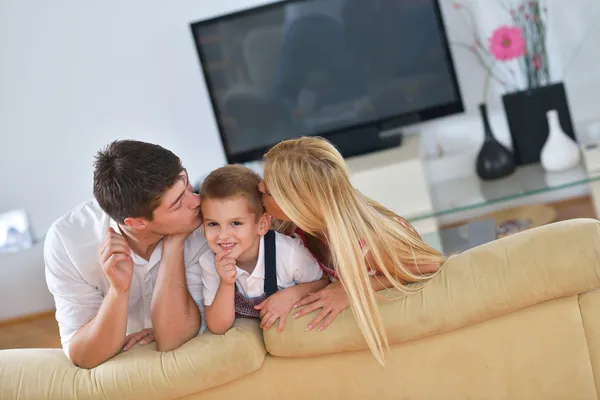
76,75
23,289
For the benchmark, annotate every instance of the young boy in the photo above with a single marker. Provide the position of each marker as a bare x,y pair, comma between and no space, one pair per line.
251,271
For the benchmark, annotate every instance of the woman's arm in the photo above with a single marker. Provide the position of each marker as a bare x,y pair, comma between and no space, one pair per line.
332,300
380,282
279,305
416,269
302,290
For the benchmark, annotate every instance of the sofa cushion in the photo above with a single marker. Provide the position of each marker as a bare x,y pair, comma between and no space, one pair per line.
523,355
518,271
590,310
141,373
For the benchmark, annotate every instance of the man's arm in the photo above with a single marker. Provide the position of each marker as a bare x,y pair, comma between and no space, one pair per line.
175,315
92,328
302,290
220,315
104,336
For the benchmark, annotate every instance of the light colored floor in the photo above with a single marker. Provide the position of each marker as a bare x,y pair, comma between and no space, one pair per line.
35,332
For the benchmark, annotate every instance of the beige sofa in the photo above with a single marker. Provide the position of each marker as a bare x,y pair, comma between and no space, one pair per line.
518,318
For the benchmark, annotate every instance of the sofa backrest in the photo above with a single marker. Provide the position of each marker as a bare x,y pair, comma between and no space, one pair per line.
518,271
142,373
589,307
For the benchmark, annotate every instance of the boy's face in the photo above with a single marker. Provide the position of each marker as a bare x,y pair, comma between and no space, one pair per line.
230,224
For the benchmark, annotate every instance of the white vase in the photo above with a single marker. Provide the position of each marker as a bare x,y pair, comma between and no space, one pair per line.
560,152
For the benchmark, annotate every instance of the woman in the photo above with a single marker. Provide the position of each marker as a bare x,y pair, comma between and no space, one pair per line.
361,245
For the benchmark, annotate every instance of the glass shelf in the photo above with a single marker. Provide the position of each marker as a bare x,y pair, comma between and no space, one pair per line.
469,193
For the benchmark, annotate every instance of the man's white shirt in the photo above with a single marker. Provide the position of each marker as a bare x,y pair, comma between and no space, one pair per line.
76,279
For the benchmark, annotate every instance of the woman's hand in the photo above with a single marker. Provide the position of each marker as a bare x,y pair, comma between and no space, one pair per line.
332,300
278,305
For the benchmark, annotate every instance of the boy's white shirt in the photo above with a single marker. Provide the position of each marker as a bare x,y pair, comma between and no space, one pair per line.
294,264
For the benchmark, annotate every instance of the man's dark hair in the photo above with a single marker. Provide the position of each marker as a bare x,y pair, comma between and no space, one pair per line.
130,178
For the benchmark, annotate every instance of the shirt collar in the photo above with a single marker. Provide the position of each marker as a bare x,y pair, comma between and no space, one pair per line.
115,225
259,268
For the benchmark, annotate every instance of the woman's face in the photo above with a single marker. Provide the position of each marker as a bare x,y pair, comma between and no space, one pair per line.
270,204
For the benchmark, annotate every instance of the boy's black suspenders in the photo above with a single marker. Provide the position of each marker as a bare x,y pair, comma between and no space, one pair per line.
270,264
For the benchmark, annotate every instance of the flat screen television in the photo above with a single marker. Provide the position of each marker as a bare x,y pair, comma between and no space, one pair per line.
346,70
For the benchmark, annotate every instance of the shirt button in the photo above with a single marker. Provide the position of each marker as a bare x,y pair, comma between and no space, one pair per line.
148,295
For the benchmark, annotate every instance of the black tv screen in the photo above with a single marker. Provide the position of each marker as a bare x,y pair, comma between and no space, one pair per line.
322,67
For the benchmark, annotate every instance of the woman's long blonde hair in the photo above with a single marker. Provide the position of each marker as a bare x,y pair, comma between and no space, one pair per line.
308,179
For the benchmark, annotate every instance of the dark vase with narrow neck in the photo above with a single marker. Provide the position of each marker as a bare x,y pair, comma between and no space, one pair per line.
494,160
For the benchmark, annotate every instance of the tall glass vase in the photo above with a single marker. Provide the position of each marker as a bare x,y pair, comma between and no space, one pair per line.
494,160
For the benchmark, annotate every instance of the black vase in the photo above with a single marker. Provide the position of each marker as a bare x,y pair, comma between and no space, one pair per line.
526,115
494,160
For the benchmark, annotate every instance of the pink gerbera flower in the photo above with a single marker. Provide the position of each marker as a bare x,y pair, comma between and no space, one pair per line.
507,43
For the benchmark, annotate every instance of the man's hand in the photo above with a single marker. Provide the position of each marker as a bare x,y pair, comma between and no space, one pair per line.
225,267
277,306
142,337
115,261
175,240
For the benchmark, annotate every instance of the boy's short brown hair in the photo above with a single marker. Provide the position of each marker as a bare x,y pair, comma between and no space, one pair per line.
234,181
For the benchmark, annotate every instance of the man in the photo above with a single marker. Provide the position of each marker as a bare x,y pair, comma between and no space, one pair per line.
123,268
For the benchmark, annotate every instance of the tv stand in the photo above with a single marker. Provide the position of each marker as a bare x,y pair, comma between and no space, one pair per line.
359,141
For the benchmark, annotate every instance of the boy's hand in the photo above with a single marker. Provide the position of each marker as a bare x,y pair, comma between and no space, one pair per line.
225,267
277,306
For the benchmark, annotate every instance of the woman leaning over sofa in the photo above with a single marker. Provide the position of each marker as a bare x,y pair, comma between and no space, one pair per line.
361,245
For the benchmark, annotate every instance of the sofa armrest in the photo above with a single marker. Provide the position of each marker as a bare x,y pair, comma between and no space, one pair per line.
518,271
141,373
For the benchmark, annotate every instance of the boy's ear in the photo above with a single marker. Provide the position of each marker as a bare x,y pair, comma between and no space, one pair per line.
264,223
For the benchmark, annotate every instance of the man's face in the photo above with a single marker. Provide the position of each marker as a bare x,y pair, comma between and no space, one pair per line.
231,225
179,210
